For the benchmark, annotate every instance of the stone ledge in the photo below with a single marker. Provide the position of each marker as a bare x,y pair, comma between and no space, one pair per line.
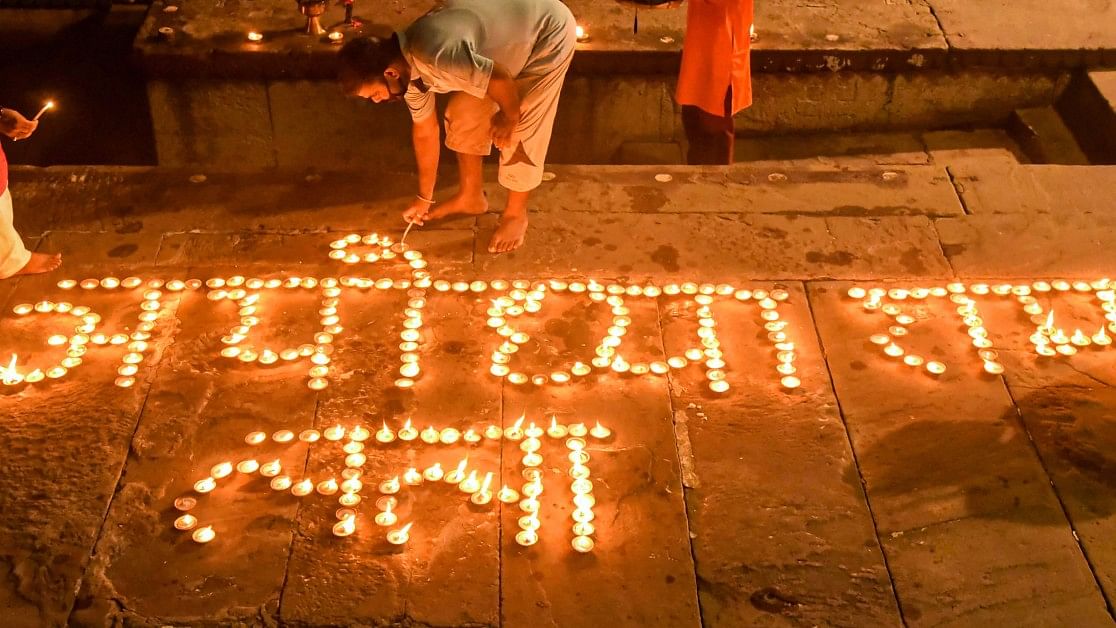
624,39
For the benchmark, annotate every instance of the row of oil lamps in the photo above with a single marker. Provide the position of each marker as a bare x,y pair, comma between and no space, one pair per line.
524,297
469,481
1048,339
85,334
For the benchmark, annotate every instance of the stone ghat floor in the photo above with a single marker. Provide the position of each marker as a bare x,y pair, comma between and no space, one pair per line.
874,493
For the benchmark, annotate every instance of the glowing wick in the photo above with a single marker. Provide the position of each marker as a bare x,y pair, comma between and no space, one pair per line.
204,535
400,536
387,517
46,107
345,527
185,522
458,474
255,37
1101,338
582,34
9,375
600,431
385,435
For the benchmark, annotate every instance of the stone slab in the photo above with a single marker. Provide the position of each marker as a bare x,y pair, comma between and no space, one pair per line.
976,572
732,247
809,554
948,468
126,200
746,189
640,571
66,441
833,149
1074,34
1029,245
454,545
1004,188
622,36
212,122
1073,429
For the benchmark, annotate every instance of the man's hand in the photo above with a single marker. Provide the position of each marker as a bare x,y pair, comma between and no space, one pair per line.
417,211
15,126
503,126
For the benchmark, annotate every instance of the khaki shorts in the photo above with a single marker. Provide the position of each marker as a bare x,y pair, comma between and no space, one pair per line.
469,127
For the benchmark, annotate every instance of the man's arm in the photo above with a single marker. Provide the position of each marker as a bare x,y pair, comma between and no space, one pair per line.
502,89
426,136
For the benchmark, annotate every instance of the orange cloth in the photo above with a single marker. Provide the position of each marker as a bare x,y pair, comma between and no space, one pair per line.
715,55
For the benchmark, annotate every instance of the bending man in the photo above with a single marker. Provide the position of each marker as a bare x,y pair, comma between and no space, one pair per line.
505,62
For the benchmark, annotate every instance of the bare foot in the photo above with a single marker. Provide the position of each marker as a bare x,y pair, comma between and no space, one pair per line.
40,263
459,204
509,235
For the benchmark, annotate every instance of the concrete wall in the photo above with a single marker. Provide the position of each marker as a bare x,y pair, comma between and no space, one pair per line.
311,124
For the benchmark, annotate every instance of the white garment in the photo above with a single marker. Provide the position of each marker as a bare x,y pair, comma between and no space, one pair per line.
13,254
454,46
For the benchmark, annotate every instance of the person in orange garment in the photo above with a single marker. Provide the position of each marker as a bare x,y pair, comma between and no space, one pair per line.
715,82
15,259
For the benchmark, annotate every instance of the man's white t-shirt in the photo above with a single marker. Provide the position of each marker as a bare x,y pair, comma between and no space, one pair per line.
454,46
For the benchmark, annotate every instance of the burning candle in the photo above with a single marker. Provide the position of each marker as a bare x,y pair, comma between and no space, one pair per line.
271,469
515,432
390,487
400,536
430,435
185,522
345,527
334,433
385,435
600,431
527,538
470,484
309,436
302,488
281,483
387,517
555,430
408,432
582,544
255,438
327,487
221,470
1080,338
458,474
412,477
434,472
204,535
205,485
255,37
185,503
247,466
1101,338
283,436
507,495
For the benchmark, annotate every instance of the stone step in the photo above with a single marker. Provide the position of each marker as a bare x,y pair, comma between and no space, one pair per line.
1089,108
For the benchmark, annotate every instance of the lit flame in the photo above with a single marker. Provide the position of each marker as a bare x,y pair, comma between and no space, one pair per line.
519,421
461,465
8,374
406,424
487,483
407,528
1050,320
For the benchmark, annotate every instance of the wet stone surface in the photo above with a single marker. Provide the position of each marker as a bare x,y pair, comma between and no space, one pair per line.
766,462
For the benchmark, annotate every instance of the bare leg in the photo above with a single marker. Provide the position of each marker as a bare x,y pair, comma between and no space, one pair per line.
510,233
470,197
40,263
